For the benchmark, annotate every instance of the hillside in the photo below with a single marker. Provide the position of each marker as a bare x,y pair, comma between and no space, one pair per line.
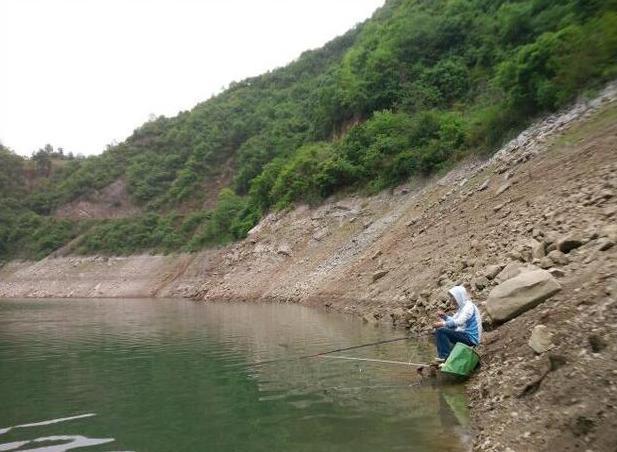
415,88
390,257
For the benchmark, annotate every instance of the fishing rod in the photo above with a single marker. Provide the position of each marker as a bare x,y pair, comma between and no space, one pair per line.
383,361
315,355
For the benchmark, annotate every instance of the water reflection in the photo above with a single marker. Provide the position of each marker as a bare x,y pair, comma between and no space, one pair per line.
54,443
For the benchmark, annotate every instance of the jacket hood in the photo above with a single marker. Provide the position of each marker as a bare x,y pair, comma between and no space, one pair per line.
460,295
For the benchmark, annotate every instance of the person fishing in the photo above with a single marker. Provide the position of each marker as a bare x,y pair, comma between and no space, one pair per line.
464,326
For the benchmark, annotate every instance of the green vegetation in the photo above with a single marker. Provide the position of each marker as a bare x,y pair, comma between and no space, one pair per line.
420,84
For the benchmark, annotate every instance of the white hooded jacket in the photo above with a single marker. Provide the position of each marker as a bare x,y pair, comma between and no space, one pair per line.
467,318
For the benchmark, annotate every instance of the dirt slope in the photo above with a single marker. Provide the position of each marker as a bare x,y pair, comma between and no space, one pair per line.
112,201
391,257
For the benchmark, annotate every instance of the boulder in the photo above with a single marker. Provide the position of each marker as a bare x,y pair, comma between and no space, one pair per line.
557,272
397,314
491,271
503,188
484,185
320,234
545,263
520,293
558,257
284,250
498,207
610,232
605,244
541,339
481,282
412,222
610,211
537,249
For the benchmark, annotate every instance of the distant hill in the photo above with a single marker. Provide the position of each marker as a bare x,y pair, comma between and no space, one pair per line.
414,88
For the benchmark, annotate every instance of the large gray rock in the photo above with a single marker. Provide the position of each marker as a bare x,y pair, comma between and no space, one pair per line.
521,293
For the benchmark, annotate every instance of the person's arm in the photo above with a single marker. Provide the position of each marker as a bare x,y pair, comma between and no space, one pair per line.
461,317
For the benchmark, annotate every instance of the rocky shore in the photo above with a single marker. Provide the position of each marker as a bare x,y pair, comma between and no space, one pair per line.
532,232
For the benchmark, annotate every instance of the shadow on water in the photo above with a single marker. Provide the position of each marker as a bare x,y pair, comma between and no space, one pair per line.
174,375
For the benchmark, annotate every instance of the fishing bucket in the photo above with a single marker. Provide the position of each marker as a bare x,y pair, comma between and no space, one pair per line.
462,361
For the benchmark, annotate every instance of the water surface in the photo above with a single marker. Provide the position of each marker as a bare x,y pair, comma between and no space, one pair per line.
173,375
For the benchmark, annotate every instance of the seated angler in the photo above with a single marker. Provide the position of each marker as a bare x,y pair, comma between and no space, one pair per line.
464,326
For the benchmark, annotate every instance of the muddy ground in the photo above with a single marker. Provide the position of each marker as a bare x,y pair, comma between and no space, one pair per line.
391,257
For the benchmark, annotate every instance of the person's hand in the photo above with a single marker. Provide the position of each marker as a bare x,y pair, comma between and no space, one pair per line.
441,314
439,324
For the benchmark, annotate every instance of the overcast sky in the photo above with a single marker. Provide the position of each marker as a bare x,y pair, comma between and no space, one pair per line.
80,74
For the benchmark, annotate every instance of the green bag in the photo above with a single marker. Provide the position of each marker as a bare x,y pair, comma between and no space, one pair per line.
462,361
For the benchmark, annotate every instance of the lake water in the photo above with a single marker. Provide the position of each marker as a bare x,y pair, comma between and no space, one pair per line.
173,375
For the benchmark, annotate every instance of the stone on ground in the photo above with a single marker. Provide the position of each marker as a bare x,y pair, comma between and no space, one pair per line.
537,250
541,339
491,271
521,293
379,274
558,257
605,244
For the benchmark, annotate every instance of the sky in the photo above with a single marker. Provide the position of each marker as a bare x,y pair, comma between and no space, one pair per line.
82,74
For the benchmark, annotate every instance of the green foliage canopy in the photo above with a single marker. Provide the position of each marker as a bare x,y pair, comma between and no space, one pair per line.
404,94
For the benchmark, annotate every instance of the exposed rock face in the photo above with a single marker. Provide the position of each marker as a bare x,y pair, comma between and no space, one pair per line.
521,293
110,202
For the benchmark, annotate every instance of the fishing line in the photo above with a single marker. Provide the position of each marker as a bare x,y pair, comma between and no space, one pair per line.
315,355
384,361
